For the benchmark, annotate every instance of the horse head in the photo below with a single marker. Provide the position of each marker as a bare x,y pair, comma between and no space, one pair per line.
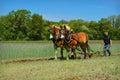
54,32
65,32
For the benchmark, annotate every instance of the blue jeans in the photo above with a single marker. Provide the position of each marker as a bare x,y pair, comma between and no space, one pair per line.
106,48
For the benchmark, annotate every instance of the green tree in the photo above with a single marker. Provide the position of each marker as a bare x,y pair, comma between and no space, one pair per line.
104,24
21,25
6,30
63,22
117,21
20,19
78,25
18,24
94,30
36,28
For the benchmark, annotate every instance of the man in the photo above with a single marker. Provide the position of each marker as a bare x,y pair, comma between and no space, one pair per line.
107,44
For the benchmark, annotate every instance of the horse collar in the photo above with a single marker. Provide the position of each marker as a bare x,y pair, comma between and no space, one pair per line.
69,39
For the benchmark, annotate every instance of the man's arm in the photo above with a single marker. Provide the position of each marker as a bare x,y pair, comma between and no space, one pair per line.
110,42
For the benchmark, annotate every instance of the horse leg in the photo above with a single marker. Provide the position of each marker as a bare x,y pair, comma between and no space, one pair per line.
62,53
55,52
74,53
67,52
84,50
88,49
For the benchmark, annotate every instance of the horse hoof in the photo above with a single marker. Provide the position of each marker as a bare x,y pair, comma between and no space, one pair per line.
55,58
67,58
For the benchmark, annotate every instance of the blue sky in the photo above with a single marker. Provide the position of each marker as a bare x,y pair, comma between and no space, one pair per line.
56,10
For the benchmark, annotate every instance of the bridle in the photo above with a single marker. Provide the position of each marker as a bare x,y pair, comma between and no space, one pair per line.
53,33
64,34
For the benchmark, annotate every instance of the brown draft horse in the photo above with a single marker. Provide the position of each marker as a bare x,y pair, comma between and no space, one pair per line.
75,39
55,37
71,43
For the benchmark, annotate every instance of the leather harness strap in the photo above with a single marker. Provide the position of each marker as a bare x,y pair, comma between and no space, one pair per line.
69,39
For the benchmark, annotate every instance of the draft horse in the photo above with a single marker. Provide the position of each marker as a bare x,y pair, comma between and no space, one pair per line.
76,39
57,41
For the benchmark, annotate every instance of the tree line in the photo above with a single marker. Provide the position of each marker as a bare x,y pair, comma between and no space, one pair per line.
22,25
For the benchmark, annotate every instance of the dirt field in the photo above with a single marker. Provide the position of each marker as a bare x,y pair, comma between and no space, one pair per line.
96,68
47,59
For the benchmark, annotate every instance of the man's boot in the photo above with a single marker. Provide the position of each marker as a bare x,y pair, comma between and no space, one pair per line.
109,53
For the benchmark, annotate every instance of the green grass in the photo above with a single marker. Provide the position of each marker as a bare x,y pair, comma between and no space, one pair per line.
100,68
98,46
23,50
18,50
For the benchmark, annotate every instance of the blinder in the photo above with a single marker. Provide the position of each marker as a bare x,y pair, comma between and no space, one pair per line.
51,36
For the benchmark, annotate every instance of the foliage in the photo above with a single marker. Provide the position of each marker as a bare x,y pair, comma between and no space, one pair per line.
35,29
22,25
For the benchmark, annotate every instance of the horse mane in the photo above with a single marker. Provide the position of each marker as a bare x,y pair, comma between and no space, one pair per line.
54,26
57,27
67,27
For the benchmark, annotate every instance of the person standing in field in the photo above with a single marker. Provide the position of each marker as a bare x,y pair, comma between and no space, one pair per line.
107,43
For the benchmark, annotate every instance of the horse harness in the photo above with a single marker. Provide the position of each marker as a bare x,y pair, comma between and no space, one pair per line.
68,41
